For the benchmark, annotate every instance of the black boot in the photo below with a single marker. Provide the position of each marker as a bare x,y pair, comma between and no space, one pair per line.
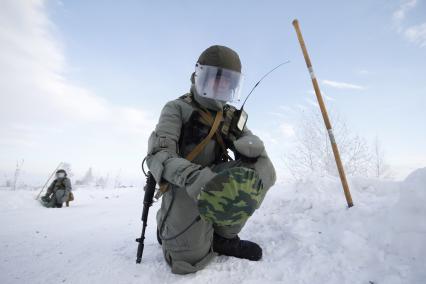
237,248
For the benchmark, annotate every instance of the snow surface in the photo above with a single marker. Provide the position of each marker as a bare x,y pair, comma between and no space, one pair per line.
307,233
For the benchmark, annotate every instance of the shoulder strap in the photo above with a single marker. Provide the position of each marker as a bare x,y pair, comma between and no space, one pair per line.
164,186
207,119
197,150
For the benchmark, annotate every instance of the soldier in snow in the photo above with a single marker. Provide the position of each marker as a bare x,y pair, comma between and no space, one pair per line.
207,196
58,192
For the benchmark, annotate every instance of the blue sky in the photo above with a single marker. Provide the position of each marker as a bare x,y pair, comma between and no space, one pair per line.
84,81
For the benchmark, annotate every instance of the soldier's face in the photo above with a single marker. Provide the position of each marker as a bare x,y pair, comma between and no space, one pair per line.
220,84
60,175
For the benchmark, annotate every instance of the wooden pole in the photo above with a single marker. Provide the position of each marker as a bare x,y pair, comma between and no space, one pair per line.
324,115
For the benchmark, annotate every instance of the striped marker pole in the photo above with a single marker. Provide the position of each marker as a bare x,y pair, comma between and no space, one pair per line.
324,115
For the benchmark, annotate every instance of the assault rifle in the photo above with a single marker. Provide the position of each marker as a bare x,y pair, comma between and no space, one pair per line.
147,202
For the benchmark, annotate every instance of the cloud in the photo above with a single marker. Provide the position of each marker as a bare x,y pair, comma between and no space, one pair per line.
400,14
33,64
342,85
40,107
364,72
417,34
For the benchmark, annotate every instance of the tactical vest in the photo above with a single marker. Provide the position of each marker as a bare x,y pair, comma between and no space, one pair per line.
196,129
59,184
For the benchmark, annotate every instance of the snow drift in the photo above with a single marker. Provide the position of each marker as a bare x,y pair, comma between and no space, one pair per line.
307,233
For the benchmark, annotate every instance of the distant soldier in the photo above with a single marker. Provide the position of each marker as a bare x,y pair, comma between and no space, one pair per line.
58,192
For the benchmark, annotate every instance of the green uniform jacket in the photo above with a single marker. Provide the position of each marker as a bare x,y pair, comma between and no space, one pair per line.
165,159
192,250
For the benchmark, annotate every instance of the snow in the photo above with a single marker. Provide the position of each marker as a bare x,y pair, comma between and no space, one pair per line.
307,233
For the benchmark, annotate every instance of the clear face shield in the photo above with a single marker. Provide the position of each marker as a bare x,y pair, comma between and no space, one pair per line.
60,175
218,83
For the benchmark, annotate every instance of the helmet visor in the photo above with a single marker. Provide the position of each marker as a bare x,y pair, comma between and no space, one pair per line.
218,83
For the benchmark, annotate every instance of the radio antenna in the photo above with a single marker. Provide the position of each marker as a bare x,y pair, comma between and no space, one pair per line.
264,76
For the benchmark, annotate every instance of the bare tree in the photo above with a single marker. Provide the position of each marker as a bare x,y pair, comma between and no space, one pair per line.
18,170
313,152
117,181
380,167
87,178
102,182
7,181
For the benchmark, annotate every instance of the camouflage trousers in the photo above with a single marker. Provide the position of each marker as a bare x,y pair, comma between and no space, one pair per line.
192,250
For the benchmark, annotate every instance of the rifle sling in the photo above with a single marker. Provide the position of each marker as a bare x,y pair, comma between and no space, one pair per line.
207,119
197,150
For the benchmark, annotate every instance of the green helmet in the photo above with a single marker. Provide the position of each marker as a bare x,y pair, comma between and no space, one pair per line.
217,78
220,56
61,172
231,197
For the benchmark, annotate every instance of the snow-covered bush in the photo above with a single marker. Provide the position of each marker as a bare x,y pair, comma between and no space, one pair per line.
313,152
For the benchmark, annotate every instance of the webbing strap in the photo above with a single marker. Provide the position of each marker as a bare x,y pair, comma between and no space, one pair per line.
197,150
207,119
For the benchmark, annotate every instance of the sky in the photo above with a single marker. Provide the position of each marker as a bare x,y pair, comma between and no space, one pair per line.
84,81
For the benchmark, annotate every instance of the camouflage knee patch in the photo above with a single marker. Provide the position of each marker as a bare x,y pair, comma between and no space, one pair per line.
231,197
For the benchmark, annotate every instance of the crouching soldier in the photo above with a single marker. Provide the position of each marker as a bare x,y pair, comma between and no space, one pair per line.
58,192
207,196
